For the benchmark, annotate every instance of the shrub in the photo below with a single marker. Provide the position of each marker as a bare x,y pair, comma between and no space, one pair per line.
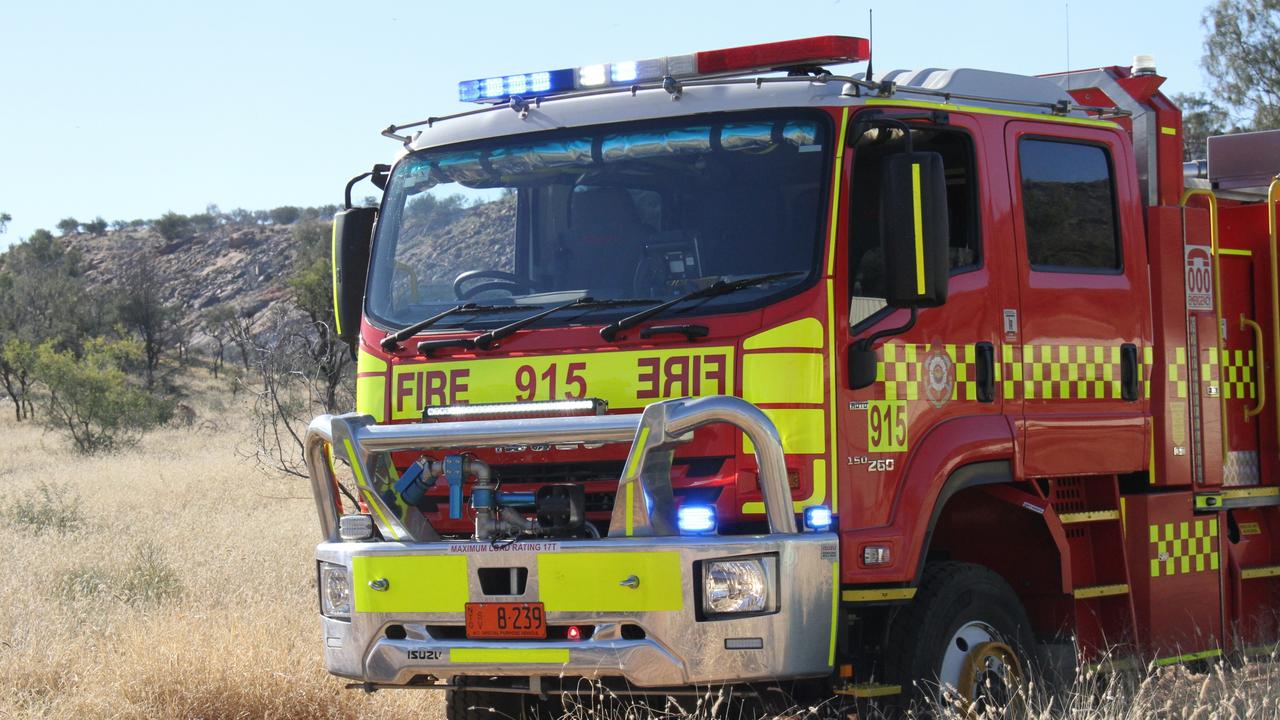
148,578
68,226
52,507
172,226
285,215
92,400
96,226
85,582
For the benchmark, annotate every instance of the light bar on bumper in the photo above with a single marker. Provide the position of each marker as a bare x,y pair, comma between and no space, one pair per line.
498,411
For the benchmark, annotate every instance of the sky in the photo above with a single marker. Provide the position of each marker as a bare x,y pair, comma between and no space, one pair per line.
131,109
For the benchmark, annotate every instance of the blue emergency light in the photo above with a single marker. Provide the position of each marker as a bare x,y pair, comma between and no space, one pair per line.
807,52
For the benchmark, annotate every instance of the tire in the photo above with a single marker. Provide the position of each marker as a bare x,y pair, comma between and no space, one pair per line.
462,704
965,631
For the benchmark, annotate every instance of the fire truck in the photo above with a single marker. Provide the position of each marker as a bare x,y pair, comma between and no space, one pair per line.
725,369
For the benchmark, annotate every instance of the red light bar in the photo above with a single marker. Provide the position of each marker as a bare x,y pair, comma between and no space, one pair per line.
823,50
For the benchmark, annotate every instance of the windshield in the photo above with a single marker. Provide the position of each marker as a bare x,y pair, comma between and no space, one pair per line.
633,214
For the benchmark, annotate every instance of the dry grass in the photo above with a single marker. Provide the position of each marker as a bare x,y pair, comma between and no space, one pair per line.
175,581
170,581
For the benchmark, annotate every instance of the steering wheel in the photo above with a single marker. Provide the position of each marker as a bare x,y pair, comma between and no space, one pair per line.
500,280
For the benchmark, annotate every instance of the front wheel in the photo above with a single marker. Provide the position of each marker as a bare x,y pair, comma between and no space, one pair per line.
464,703
964,636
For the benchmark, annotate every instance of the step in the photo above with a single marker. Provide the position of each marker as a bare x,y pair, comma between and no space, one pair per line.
1097,591
868,690
1088,516
1259,571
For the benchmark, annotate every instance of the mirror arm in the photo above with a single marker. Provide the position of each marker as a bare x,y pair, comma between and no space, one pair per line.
862,358
870,340
378,176
350,183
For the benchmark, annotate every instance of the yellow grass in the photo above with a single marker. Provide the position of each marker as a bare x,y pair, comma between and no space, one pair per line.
234,632
241,639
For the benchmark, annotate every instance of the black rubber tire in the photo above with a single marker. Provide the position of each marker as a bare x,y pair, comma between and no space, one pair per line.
950,595
481,705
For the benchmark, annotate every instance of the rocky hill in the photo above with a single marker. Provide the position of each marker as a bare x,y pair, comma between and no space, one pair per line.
245,265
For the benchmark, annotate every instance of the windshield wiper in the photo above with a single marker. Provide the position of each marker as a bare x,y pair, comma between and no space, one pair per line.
484,341
391,343
720,287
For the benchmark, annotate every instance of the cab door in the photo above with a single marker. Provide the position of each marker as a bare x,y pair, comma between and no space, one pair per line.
1076,352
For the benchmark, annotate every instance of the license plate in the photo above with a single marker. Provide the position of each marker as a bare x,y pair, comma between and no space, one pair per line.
506,620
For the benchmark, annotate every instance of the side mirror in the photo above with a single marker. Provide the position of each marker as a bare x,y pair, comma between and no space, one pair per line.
352,236
914,235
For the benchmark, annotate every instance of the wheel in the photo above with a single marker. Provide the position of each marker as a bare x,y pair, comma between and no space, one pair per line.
463,704
499,280
964,636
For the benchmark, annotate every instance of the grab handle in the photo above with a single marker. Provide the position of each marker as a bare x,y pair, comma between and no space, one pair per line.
1258,367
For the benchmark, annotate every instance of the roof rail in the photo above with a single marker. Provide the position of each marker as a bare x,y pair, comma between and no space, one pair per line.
853,86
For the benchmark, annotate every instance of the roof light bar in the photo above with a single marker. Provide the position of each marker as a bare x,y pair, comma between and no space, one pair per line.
823,50
542,408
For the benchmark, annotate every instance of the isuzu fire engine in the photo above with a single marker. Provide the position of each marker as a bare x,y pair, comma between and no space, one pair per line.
725,369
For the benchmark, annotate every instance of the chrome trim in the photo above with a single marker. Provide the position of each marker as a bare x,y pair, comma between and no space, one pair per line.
366,446
681,646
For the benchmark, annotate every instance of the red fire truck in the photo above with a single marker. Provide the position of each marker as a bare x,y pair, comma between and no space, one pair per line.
723,368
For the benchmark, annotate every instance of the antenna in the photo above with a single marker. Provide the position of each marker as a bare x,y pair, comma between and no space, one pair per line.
871,40
1066,8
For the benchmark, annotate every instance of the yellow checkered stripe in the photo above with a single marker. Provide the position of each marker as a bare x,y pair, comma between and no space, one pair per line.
1148,369
1178,374
1063,372
1233,370
901,371
1237,375
1184,547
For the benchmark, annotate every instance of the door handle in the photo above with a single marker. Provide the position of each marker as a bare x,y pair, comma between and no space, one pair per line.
985,358
1129,372
1258,367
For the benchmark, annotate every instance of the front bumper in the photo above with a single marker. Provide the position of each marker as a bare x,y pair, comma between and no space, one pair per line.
428,584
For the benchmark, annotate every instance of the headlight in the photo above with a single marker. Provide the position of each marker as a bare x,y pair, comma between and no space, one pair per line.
335,590
734,586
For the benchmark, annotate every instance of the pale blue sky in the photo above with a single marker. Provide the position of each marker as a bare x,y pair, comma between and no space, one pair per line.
130,109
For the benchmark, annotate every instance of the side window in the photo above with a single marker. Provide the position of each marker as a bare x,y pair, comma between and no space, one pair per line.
866,260
1068,206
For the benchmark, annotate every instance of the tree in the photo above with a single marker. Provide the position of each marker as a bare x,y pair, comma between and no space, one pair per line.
68,226
5,219
92,399
144,311
313,294
1242,54
1201,119
172,226
285,215
43,298
97,226
217,323
302,367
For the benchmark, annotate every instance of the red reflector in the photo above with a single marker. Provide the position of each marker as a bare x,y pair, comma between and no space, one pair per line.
827,49
574,633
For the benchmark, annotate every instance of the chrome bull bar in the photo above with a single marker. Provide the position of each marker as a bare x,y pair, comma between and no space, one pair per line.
654,435
410,594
